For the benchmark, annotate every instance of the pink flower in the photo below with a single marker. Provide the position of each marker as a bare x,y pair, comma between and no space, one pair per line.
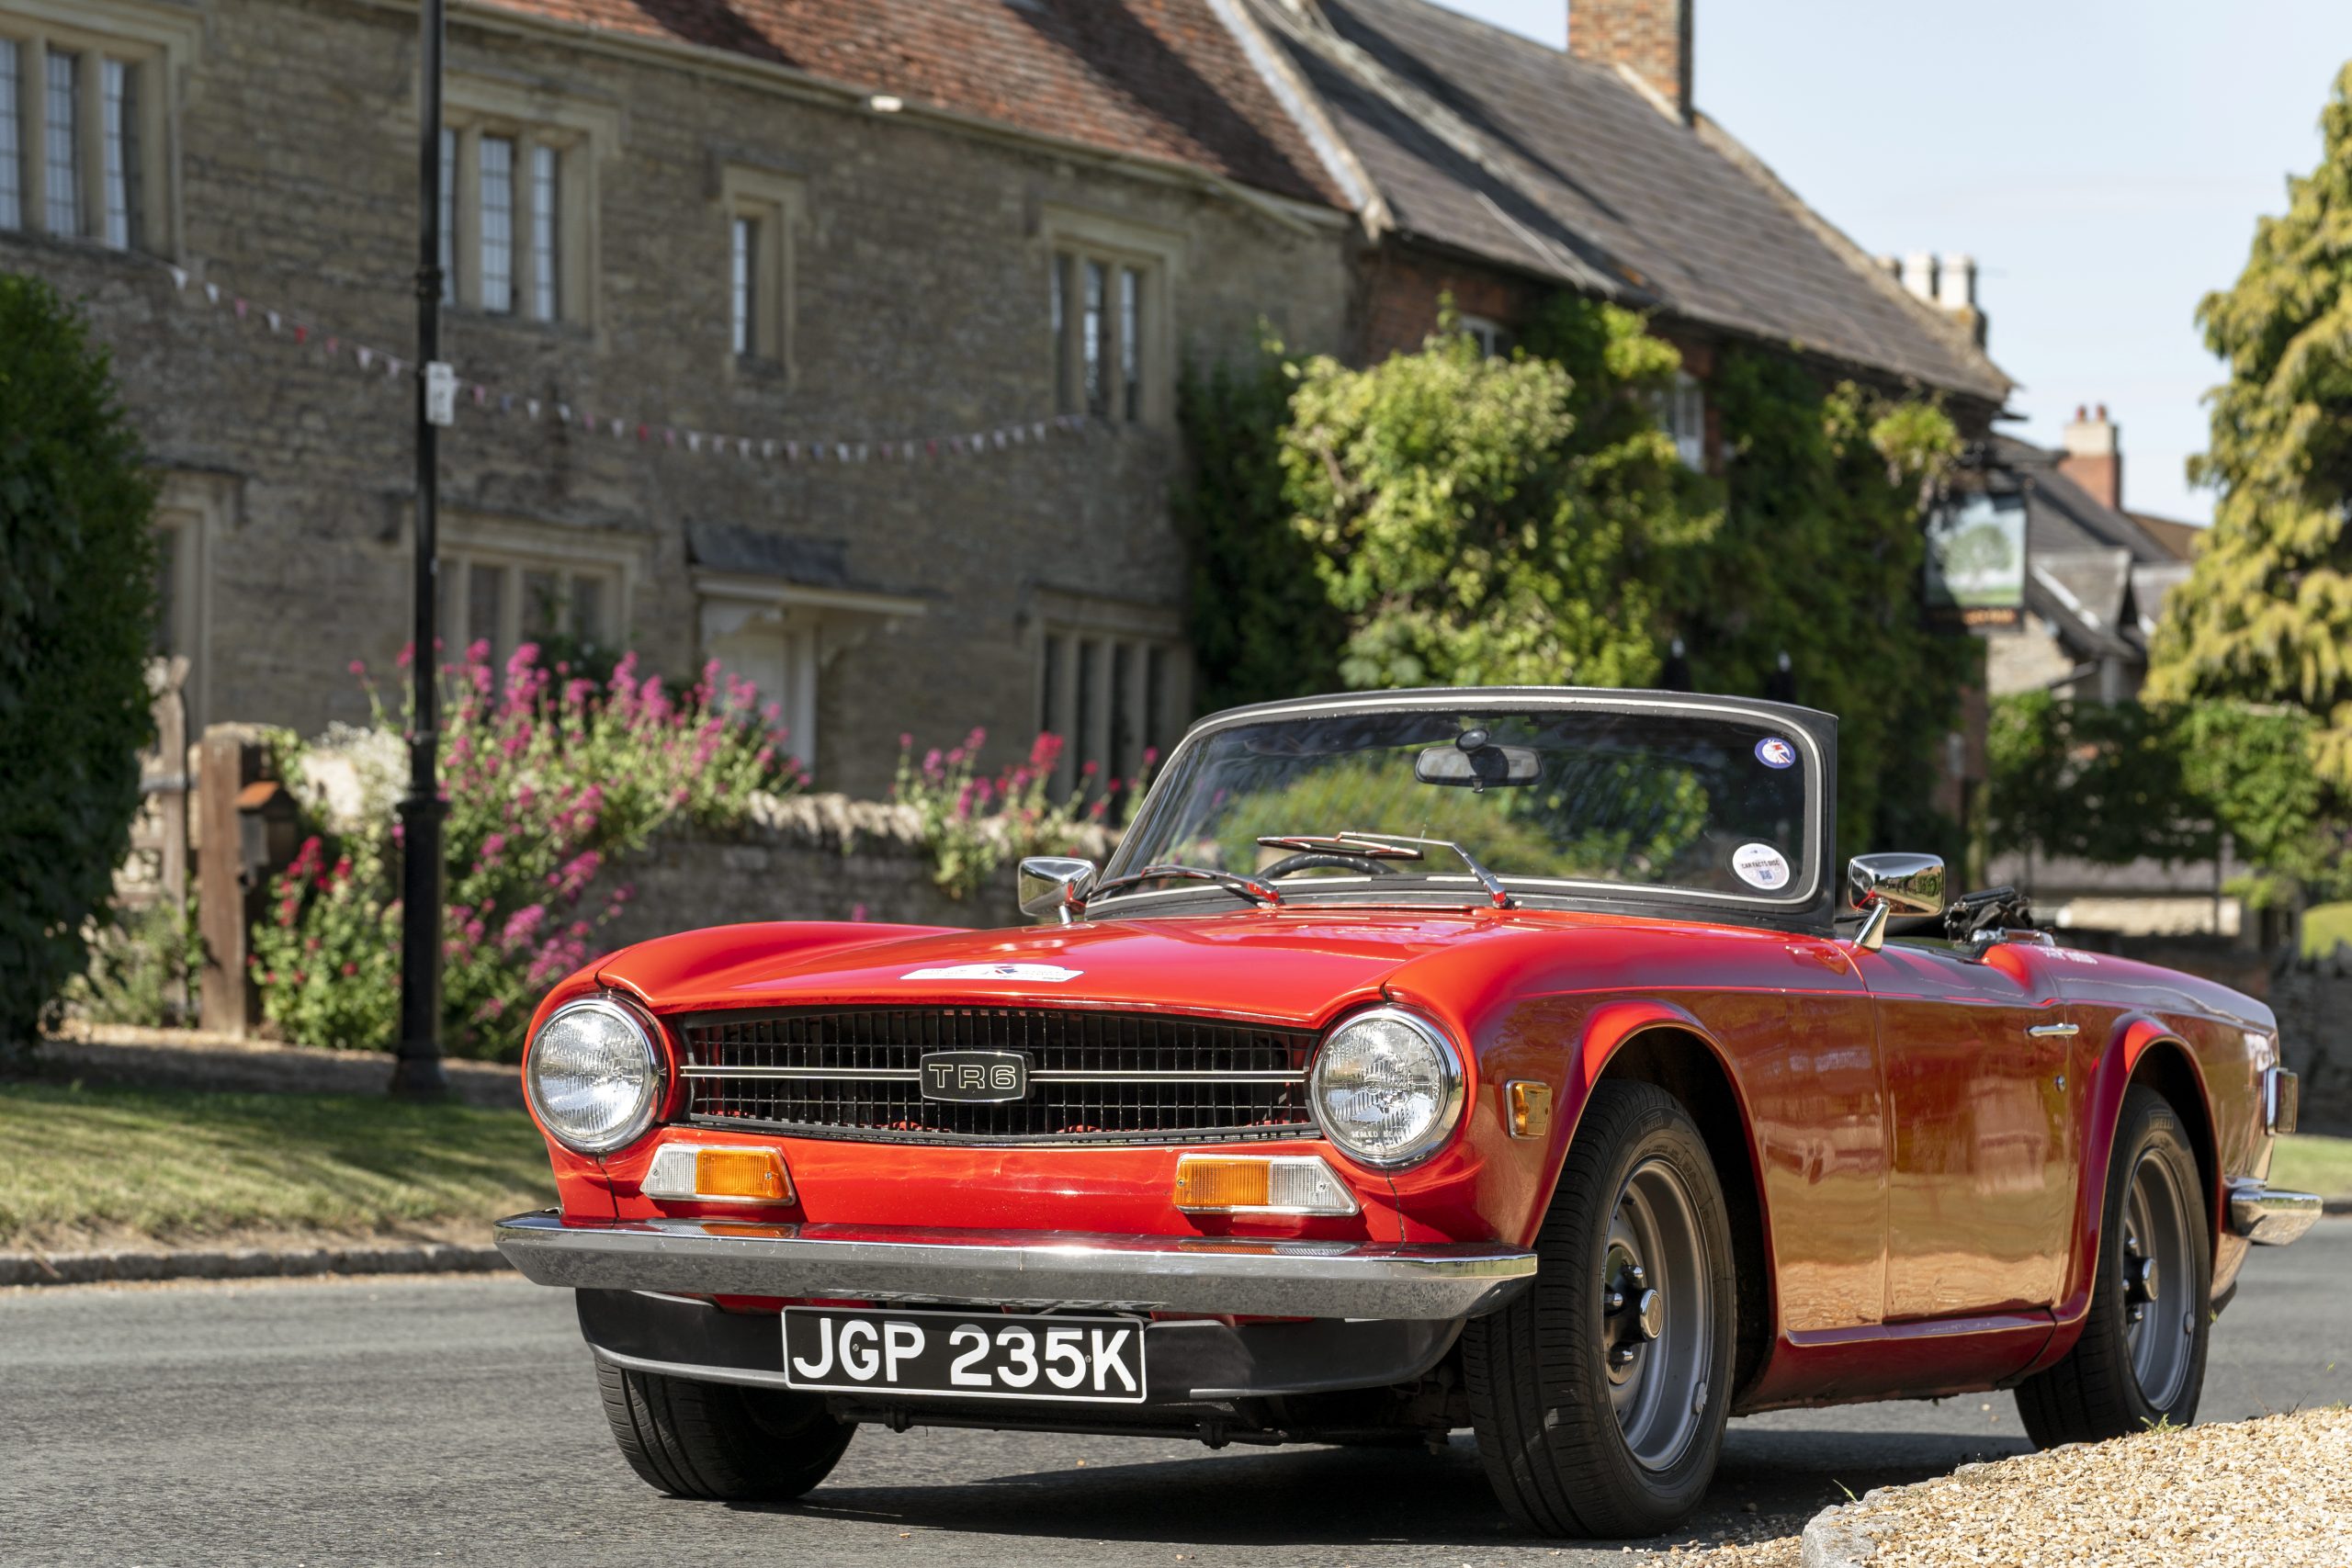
359,667
522,925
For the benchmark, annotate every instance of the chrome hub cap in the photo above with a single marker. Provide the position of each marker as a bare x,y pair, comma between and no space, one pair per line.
2157,1237
1656,1324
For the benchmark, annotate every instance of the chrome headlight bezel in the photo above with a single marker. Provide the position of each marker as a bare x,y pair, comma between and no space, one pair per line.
1440,1128
653,1087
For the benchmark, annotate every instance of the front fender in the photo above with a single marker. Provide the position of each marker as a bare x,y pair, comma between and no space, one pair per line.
1489,1185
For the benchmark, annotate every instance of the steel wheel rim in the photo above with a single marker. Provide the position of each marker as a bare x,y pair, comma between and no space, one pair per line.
1656,1315
2159,1318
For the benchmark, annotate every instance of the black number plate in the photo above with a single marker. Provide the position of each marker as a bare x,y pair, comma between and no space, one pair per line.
1092,1361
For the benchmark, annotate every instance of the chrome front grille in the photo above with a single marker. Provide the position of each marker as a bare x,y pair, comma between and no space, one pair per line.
1093,1077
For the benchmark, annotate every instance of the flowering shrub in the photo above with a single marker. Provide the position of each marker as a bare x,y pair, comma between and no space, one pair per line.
974,825
548,778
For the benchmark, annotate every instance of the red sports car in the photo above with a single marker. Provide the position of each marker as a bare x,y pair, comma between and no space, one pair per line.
1514,1059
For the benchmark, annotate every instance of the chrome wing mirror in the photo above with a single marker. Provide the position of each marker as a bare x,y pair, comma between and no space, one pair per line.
1052,885
1882,886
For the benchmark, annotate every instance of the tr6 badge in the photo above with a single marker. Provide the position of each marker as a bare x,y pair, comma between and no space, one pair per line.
974,1077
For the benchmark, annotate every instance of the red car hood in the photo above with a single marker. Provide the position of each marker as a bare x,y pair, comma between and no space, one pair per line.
1294,967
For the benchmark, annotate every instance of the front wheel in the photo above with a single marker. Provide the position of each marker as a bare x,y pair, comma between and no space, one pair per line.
2141,1359
1599,1395
718,1441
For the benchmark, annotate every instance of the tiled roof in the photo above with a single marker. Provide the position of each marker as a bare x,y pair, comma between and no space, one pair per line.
2062,517
1498,146
1162,79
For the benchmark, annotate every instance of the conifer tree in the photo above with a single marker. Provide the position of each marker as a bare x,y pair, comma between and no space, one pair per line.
2266,612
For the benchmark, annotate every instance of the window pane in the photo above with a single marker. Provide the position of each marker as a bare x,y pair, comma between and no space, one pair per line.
1155,694
1050,688
542,605
62,156
745,264
167,580
1098,327
1061,275
121,83
497,224
545,299
485,597
1121,763
12,154
448,217
1131,340
1080,739
588,609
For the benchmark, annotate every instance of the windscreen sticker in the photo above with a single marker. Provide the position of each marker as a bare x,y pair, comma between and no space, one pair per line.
1761,865
1775,753
1049,972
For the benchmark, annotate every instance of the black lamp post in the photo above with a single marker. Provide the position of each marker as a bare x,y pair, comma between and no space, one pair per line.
416,1073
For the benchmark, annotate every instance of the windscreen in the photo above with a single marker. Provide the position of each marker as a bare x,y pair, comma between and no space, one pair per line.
1700,802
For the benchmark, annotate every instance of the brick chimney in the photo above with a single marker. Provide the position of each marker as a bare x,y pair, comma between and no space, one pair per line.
1651,37
2093,456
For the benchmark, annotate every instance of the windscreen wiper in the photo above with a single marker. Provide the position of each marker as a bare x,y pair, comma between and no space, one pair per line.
1247,887
1391,846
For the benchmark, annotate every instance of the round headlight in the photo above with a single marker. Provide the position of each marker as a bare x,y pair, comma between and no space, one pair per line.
594,1076
1388,1086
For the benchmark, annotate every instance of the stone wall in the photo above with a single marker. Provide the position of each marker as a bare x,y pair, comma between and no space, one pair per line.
920,306
819,857
2313,1001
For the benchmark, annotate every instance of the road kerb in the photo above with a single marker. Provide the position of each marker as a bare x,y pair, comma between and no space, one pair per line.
243,1263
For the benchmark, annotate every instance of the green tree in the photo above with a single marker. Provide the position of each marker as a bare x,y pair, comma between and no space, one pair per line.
2266,614
1494,521
2115,782
77,610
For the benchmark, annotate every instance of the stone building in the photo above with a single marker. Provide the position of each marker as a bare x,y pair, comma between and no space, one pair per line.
845,238
1495,171
736,286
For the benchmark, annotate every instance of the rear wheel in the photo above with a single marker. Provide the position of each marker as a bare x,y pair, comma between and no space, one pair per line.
719,1440
2141,1359
1599,1395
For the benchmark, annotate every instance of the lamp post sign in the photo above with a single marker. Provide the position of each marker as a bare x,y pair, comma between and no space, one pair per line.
417,1072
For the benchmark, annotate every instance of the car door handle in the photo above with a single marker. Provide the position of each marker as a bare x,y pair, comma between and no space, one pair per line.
2054,1031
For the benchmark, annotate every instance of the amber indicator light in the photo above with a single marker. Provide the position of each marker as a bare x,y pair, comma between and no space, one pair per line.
1224,1184
756,1174
1531,1109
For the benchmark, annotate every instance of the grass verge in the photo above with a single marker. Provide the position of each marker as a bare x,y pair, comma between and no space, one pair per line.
181,1165
2305,1162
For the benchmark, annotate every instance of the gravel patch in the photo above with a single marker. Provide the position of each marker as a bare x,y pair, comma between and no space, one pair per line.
2275,1492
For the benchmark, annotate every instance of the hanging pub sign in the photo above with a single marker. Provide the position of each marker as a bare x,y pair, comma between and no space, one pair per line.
1976,560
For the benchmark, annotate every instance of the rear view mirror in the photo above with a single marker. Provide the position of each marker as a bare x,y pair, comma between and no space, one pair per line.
1479,767
1884,885
1052,885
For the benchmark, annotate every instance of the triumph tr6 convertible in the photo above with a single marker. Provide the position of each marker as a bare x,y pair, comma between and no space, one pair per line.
1520,1060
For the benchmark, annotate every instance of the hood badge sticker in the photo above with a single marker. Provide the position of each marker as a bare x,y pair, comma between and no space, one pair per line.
1053,973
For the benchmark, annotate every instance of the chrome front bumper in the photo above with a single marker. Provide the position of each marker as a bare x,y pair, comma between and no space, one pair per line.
1031,1269
2267,1217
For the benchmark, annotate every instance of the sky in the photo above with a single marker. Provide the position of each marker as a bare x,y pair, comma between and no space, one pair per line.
2103,159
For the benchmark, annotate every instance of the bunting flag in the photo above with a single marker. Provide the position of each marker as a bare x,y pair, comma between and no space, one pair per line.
334,348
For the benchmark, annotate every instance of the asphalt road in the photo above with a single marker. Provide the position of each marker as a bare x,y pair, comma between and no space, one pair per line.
455,1421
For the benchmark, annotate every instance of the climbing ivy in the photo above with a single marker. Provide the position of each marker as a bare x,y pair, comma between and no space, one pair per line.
1819,556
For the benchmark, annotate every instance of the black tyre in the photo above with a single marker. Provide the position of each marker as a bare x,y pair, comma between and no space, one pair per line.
1599,1395
719,1440
2141,1359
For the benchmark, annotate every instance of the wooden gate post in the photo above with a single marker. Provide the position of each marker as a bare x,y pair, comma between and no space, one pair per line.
233,756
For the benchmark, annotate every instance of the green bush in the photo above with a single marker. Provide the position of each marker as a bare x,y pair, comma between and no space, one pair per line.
143,969
1494,522
77,609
